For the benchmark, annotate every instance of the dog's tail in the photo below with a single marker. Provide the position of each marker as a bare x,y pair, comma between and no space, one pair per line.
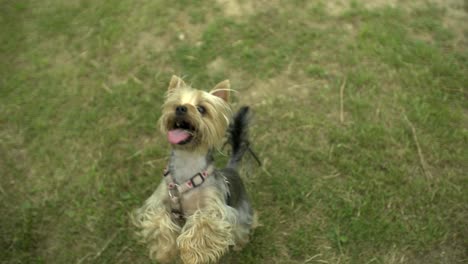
238,137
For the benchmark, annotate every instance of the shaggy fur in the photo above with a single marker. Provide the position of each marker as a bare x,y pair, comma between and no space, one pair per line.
212,126
217,214
157,229
208,233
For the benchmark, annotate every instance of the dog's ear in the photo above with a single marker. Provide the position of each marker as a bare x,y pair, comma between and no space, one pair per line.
221,90
175,83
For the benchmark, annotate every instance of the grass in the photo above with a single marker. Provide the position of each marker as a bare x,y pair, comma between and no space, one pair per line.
81,87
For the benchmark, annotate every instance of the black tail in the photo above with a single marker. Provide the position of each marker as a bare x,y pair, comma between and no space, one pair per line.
238,137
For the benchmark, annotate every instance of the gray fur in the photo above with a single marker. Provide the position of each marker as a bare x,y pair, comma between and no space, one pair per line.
238,198
183,165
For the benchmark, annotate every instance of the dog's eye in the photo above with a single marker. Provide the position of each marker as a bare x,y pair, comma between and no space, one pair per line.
201,109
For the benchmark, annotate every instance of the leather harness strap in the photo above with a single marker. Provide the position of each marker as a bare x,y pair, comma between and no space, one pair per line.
176,190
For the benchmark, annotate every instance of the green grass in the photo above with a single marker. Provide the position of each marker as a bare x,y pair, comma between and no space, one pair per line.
81,86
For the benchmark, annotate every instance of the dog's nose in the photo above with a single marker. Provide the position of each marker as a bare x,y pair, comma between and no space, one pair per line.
181,110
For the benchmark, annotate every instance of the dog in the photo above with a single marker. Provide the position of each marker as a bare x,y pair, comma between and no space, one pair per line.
198,212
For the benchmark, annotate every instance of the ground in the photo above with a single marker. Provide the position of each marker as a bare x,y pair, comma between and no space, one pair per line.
360,122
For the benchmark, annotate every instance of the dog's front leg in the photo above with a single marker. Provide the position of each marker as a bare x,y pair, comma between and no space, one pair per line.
207,233
157,228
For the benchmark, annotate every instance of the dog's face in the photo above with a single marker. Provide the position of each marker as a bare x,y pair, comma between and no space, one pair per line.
193,119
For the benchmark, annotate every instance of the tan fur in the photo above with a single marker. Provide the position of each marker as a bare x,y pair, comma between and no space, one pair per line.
205,237
175,83
209,133
193,200
156,225
208,233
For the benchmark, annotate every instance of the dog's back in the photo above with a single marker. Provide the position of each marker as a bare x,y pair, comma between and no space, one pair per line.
239,141
237,196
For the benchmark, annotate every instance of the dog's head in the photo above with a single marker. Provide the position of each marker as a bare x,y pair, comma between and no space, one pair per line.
193,119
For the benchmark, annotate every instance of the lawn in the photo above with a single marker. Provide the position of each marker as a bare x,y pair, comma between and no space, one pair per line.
361,118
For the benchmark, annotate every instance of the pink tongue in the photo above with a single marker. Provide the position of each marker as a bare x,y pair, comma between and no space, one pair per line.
177,135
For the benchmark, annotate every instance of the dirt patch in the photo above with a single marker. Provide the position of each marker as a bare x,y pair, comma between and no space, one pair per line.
337,7
235,8
181,29
456,20
151,42
187,31
285,85
218,65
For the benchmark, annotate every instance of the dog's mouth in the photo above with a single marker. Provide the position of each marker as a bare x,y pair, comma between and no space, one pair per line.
181,133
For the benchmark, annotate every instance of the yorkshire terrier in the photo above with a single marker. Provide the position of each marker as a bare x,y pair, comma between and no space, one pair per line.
198,212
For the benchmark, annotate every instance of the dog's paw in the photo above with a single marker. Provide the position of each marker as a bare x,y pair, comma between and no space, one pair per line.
205,241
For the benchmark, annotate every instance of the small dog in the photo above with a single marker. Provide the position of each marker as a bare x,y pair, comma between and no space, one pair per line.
198,212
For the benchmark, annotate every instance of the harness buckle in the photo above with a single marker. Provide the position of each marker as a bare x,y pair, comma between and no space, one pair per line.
194,180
